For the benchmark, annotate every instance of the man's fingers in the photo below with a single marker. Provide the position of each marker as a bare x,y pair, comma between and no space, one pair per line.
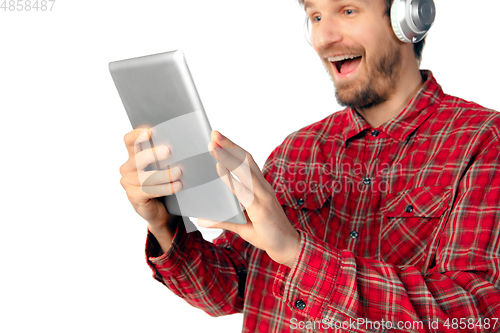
251,179
134,138
148,178
244,195
163,189
206,223
234,155
148,156
234,150
232,163
225,143
141,194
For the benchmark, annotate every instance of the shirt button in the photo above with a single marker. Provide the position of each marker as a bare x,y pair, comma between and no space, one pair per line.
375,133
409,208
366,181
300,304
354,234
300,202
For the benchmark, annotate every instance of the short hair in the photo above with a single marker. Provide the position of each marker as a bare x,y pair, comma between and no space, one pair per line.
417,47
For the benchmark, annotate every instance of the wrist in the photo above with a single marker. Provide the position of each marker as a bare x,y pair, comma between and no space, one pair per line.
169,225
293,249
163,235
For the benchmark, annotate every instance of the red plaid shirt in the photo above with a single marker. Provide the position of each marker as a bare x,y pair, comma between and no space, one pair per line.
399,224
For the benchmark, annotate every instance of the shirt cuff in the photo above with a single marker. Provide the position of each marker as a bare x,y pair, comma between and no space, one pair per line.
308,286
170,261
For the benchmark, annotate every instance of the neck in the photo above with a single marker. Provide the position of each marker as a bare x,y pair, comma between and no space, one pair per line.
410,82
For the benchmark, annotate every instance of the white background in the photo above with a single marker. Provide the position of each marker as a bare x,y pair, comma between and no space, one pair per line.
72,247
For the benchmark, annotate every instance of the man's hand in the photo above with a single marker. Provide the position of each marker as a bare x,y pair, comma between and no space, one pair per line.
267,226
143,188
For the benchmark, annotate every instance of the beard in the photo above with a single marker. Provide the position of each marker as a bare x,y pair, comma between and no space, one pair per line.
378,84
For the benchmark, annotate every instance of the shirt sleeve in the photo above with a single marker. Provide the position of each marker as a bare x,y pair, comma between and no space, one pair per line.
460,292
209,276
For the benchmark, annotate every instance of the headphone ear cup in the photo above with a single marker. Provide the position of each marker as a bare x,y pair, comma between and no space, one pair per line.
412,19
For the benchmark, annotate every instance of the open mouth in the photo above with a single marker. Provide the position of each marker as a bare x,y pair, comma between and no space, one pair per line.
346,64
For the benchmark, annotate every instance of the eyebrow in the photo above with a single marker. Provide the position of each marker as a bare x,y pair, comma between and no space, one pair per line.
306,3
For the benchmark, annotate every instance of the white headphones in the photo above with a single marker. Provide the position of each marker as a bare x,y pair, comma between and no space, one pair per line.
410,19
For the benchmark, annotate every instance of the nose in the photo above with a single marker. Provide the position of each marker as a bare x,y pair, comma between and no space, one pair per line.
325,33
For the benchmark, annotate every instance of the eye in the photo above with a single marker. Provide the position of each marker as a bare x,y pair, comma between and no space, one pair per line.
317,18
349,12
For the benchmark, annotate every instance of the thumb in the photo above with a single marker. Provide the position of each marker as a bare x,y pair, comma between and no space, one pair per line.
205,223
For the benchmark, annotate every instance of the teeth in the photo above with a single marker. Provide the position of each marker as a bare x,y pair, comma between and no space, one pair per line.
343,57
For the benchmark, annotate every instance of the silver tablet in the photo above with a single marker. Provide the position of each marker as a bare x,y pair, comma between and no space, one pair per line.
158,92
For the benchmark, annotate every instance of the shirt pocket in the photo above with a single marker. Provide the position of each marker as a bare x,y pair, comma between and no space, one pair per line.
304,208
411,219
303,200
428,201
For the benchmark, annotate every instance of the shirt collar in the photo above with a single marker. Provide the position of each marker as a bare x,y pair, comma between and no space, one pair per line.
409,119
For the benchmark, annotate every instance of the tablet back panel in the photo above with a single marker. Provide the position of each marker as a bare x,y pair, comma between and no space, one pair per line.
158,92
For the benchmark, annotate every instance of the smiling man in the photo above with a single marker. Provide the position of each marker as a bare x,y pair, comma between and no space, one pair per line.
384,215
371,68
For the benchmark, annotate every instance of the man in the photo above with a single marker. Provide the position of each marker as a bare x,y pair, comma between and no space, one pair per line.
382,216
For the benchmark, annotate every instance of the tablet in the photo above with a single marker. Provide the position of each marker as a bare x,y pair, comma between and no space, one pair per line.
158,92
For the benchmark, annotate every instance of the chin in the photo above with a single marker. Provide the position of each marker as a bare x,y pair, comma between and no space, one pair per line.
361,94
